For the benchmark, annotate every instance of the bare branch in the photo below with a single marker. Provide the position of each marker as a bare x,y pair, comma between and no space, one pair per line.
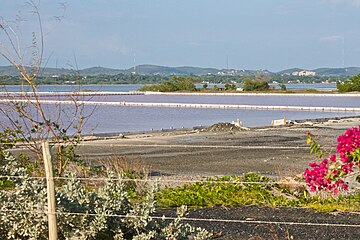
32,120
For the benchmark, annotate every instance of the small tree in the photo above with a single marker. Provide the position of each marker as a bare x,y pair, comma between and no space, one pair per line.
185,83
26,115
230,87
282,86
255,85
175,84
350,85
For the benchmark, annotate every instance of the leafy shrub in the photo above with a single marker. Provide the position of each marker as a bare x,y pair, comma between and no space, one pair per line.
84,213
255,85
350,85
174,85
230,87
282,87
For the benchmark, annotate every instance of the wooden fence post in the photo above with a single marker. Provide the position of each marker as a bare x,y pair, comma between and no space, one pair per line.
53,235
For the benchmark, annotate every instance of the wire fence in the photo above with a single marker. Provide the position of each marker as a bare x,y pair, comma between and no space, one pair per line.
216,220
184,181
90,143
158,179
196,146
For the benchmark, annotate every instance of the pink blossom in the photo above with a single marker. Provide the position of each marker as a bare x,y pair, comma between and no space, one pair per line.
320,177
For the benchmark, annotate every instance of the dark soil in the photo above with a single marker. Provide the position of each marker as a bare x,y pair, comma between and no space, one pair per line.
250,230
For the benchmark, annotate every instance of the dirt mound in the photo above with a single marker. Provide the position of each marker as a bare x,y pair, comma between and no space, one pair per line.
223,127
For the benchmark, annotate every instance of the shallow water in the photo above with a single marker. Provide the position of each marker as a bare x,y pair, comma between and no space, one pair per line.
108,119
128,119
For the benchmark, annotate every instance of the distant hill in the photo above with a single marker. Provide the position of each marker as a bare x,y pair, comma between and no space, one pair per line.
8,70
186,70
350,71
11,71
100,70
163,70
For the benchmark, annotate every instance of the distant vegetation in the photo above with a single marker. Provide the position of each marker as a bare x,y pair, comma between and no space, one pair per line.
306,79
350,85
122,78
174,85
231,82
255,85
9,80
282,87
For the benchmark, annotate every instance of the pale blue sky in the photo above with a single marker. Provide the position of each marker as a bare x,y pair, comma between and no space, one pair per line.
253,34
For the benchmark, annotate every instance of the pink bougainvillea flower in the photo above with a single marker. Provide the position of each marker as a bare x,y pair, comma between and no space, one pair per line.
326,175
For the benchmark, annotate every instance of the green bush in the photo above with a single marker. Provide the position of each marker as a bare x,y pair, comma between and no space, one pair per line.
174,85
255,85
282,87
350,85
230,87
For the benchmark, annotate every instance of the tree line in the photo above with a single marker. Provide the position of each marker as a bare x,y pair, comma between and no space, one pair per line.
129,78
256,82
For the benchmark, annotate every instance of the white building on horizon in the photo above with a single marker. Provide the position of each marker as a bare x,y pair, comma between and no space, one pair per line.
304,73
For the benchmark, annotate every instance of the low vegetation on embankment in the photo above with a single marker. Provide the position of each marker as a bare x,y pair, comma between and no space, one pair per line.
324,186
253,189
248,84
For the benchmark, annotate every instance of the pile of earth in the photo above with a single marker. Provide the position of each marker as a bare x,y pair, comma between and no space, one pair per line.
223,127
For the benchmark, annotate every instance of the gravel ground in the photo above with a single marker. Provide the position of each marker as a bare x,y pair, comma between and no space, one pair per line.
276,152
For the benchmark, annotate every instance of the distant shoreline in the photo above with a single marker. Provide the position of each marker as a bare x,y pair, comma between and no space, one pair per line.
354,94
294,93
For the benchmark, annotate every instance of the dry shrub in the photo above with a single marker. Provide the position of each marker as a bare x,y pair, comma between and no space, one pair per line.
291,180
295,185
131,168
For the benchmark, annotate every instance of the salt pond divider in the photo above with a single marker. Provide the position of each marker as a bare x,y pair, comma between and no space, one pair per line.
195,105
